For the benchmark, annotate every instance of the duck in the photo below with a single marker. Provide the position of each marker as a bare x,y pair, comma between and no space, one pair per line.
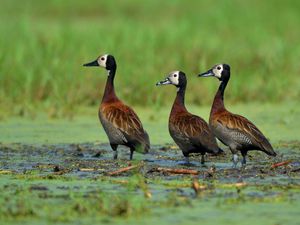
190,132
234,131
120,122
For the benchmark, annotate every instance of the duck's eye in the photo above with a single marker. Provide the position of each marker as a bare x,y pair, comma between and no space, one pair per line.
102,58
218,68
175,75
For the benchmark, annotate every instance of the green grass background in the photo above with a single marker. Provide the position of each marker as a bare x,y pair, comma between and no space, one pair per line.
44,44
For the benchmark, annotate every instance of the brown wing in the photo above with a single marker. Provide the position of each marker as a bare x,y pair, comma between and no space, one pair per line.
126,120
244,126
191,125
196,130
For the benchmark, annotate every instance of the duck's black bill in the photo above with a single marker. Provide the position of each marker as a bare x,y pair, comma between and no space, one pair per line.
94,63
208,73
163,82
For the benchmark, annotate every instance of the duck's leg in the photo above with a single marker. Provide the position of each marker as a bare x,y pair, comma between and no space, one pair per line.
186,160
131,153
244,154
115,149
235,160
202,159
235,157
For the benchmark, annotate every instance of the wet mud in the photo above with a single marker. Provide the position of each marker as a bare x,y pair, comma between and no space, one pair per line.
92,160
68,183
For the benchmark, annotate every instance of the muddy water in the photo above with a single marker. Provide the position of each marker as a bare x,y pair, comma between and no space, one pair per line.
94,159
72,182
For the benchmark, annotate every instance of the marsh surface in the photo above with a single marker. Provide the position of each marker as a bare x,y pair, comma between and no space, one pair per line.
70,183
44,182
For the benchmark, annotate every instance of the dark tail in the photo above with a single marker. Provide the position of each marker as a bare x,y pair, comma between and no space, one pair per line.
267,148
220,152
270,152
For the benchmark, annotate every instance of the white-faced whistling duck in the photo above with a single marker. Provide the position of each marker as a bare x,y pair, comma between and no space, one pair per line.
190,132
120,122
233,130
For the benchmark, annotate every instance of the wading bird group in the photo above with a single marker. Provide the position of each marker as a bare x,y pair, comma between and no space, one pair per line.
190,132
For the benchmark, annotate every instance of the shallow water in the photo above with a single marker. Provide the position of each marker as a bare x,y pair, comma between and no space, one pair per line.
69,183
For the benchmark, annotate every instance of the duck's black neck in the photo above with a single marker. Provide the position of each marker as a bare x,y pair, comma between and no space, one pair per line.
109,92
218,103
178,104
222,87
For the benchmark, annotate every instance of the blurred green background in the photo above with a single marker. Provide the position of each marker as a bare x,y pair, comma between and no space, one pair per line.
44,44
48,98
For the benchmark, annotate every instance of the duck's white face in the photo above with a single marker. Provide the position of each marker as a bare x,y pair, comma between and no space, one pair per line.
172,78
217,70
102,60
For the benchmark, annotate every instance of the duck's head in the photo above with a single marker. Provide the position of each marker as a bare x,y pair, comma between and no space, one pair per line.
177,78
220,71
107,61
